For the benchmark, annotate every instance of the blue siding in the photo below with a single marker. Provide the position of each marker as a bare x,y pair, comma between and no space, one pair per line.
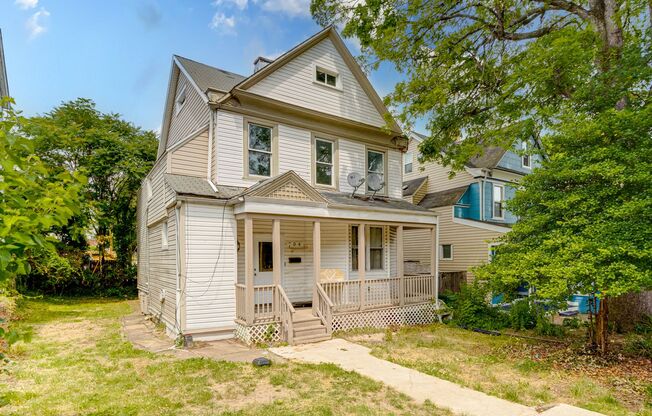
470,203
509,218
512,160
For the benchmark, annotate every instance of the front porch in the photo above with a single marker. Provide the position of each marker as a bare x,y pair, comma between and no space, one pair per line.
301,278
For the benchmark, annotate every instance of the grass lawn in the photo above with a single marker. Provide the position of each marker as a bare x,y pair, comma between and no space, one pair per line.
529,372
74,361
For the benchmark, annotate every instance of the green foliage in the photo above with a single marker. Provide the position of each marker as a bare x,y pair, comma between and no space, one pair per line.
639,345
523,314
115,155
35,197
471,309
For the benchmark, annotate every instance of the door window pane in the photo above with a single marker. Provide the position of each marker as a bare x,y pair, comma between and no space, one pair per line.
265,256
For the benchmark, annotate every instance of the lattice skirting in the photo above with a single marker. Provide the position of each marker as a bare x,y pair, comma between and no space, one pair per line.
267,333
382,318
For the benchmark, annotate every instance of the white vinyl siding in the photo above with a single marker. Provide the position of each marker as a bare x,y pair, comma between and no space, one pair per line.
195,113
229,142
394,179
142,236
352,159
162,273
294,83
294,150
191,158
161,194
211,267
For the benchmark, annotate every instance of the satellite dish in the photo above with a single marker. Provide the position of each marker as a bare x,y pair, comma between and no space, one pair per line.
355,180
375,183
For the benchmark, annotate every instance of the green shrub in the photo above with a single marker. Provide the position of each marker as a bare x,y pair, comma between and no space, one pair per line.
471,309
523,314
639,345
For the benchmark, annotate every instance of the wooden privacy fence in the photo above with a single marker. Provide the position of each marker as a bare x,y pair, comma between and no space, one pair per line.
451,281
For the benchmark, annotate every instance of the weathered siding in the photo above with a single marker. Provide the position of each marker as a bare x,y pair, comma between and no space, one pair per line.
438,179
191,158
294,83
162,268
193,115
210,267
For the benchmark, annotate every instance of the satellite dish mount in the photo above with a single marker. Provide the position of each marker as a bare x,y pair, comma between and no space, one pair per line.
355,180
375,183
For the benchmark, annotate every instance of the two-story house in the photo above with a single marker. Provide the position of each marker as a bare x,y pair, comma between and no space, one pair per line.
274,210
470,206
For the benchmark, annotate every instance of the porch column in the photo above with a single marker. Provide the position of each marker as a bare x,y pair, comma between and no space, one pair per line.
437,267
276,262
362,263
249,268
316,261
434,259
399,265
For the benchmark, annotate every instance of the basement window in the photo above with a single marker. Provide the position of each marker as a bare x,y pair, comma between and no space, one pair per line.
330,78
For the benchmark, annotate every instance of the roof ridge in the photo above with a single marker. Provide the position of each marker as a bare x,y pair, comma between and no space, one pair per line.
210,66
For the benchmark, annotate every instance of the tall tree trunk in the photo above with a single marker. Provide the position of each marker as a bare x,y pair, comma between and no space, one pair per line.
601,326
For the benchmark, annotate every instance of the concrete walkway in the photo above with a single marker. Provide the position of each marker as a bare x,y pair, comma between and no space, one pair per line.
144,335
419,386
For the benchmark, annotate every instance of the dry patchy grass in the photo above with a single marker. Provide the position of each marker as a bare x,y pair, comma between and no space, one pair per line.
74,361
530,372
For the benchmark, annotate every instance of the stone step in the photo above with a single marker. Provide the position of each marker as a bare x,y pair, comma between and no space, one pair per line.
311,339
310,330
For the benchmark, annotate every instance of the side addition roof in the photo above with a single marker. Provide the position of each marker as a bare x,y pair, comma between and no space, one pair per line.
443,198
411,186
191,185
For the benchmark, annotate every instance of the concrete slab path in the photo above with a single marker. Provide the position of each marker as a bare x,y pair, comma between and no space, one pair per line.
419,386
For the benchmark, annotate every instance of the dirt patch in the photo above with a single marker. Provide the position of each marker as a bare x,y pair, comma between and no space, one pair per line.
82,333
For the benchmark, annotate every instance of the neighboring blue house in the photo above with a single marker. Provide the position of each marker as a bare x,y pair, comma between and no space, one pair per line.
471,205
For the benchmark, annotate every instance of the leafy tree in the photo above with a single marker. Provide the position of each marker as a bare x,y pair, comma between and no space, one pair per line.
574,73
115,155
35,198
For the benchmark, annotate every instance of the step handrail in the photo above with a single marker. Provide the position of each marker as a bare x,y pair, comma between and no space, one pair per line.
324,309
286,314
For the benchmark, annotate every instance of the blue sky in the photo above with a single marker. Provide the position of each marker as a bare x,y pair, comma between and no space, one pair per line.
119,52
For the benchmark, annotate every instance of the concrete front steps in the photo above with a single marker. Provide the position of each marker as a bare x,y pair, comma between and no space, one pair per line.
308,328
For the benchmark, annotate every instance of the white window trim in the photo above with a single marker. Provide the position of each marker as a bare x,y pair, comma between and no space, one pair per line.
441,252
382,192
334,165
529,157
274,146
165,242
338,78
178,107
367,245
502,192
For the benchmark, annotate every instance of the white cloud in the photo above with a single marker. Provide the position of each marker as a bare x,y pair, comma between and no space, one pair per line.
240,4
35,24
290,7
26,4
223,23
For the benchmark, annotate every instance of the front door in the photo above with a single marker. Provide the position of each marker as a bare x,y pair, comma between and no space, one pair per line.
263,260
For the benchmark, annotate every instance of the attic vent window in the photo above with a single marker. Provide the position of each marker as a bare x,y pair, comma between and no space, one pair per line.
180,101
326,77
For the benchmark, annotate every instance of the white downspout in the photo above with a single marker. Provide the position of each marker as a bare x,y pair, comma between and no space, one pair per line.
177,311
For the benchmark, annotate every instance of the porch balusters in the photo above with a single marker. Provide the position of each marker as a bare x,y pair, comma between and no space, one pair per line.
276,260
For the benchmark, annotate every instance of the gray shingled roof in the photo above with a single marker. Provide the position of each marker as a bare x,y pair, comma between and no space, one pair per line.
443,198
206,76
489,159
190,185
341,198
411,186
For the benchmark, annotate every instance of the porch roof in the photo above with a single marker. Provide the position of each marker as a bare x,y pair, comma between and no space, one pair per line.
191,185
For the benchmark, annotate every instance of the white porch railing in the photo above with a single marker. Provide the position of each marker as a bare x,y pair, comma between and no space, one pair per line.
345,295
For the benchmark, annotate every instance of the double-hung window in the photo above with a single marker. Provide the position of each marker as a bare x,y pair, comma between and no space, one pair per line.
375,248
375,164
498,197
324,162
407,162
526,162
259,145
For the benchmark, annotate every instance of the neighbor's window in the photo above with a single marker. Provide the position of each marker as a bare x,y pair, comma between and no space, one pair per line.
375,248
375,164
498,196
180,100
354,247
525,159
260,150
324,162
164,236
326,77
407,162
446,252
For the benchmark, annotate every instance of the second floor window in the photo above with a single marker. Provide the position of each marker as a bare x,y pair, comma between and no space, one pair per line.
260,150
324,162
525,159
498,196
407,162
375,164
